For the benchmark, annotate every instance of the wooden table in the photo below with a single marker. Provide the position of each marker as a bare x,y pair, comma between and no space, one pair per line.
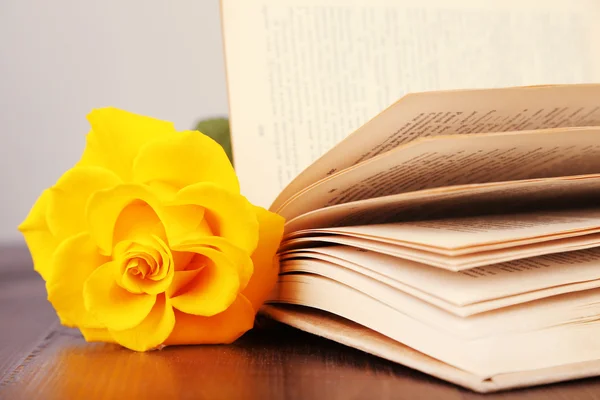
39,359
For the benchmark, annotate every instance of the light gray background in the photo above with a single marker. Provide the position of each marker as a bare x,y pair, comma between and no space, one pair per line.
60,59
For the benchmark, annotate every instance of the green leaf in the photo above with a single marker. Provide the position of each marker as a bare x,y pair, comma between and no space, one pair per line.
218,129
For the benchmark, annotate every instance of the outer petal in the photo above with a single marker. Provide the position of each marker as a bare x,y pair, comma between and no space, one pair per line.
68,198
266,263
229,215
97,335
184,159
117,137
211,290
112,305
40,240
225,327
74,261
152,331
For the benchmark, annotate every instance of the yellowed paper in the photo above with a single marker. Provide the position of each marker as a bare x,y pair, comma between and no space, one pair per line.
515,347
447,201
303,74
456,160
466,293
451,263
354,335
458,236
528,109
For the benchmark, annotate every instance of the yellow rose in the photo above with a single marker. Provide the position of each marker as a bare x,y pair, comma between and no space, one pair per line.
147,240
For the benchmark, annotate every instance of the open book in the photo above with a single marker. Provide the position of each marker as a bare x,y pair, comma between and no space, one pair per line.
456,231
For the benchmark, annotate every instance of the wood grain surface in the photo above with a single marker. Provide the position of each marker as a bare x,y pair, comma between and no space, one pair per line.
39,359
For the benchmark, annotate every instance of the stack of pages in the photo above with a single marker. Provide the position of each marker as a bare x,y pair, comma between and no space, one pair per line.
469,237
456,232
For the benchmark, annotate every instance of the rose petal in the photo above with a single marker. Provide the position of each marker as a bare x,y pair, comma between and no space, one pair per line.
39,239
68,198
138,222
237,256
181,280
211,291
152,331
181,221
181,259
112,305
105,207
266,264
97,335
120,257
225,327
183,159
74,261
151,284
117,137
229,215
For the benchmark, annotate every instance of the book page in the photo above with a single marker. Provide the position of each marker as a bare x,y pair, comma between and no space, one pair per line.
456,236
374,284
500,321
439,259
351,334
303,74
478,285
463,112
459,200
350,274
516,350
456,160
